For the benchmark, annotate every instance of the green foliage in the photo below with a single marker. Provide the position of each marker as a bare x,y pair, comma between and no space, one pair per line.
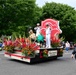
15,15
45,53
37,15
66,16
18,15
17,35
55,44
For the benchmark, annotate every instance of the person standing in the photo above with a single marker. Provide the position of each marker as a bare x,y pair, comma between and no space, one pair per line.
74,52
48,36
37,28
67,46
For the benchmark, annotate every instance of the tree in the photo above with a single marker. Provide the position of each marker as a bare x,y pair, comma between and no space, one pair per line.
2,3
16,14
37,14
66,16
19,15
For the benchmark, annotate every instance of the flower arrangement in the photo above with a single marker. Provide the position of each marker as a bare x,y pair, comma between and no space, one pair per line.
60,52
8,45
56,43
25,46
29,50
9,48
45,53
17,44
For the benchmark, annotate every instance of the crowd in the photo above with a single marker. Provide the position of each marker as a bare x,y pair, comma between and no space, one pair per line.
70,46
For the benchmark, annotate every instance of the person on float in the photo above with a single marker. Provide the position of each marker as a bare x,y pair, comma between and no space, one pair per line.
48,36
40,39
37,29
32,36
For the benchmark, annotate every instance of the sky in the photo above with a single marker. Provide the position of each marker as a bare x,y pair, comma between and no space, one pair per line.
71,3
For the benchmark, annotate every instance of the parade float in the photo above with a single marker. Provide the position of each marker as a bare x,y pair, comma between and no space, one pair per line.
24,50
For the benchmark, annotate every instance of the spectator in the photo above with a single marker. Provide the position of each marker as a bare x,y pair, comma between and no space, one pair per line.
67,46
74,52
1,44
71,45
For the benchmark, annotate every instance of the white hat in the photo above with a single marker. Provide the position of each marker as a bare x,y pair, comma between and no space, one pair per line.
38,24
38,44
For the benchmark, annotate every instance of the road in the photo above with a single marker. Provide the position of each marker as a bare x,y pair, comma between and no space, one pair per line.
62,66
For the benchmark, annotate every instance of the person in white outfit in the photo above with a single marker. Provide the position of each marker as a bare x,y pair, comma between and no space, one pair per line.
48,36
67,46
37,28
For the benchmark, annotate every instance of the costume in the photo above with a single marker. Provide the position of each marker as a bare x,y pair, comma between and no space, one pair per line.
32,37
40,38
38,28
48,41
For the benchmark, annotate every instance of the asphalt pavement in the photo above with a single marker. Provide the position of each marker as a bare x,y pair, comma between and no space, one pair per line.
62,66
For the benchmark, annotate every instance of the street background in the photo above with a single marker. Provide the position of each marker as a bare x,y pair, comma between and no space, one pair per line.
62,66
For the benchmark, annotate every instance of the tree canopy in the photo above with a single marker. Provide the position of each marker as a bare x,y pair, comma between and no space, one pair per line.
66,16
19,15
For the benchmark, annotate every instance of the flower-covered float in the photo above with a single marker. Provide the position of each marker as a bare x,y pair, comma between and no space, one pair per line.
24,49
